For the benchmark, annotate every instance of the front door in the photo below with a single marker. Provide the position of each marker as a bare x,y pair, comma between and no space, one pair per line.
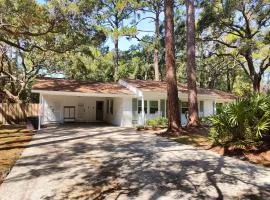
69,113
99,110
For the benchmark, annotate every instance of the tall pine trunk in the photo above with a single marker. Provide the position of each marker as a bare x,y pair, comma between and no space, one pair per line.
116,58
193,119
156,51
174,126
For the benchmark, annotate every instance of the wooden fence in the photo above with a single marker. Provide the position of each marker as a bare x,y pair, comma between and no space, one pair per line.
14,113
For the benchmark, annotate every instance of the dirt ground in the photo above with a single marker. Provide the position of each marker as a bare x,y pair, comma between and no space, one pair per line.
12,142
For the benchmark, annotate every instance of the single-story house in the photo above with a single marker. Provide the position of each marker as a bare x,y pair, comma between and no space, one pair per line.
125,103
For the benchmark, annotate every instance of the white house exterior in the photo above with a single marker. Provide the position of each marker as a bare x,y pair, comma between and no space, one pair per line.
63,101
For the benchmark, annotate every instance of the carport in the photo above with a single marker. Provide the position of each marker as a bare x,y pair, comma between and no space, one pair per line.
63,101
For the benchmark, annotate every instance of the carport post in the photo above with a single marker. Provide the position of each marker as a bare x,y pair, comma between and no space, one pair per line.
40,110
143,114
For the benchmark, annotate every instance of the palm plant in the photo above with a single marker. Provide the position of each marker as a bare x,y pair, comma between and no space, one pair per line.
242,123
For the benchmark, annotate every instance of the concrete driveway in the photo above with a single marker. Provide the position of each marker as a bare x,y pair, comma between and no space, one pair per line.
95,162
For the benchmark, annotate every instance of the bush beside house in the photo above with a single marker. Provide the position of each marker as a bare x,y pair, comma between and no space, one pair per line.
243,123
154,123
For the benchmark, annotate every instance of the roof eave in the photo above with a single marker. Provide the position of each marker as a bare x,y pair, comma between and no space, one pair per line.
89,94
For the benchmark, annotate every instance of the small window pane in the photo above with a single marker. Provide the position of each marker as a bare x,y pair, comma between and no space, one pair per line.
185,104
201,106
111,106
108,106
153,107
184,107
162,107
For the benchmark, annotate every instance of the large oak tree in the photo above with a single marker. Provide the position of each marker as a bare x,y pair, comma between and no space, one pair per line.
33,35
242,27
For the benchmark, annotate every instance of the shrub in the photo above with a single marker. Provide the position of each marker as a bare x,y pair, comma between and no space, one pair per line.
157,122
162,121
242,123
152,122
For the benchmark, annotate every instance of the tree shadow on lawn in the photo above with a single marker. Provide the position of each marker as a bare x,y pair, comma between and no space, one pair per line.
125,164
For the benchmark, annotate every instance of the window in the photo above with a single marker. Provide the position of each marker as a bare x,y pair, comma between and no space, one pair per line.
108,106
162,107
111,106
201,109
153,107
184,107
140,106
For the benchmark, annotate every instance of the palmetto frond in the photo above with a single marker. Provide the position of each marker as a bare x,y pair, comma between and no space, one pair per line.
242,122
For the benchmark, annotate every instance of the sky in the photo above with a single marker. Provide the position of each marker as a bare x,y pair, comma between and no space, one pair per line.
124,43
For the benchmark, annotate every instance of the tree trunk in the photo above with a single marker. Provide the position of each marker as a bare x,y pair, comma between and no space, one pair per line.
229,89
11,97
116,58
174,126
255,77
156,51
193,119
257,82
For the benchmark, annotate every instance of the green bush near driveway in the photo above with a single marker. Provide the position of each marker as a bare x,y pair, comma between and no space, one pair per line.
157,122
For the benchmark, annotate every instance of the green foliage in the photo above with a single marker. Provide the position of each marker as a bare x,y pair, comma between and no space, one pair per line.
88,63
163,121
242,123
157,122
44,38
240,27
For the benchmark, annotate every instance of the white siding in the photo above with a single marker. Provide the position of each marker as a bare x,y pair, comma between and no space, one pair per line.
208,107
122,112
126,120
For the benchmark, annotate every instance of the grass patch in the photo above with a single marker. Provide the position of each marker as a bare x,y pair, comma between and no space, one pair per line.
12,142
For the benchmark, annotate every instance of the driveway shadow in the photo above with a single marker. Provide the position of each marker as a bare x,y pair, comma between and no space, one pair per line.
118,163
